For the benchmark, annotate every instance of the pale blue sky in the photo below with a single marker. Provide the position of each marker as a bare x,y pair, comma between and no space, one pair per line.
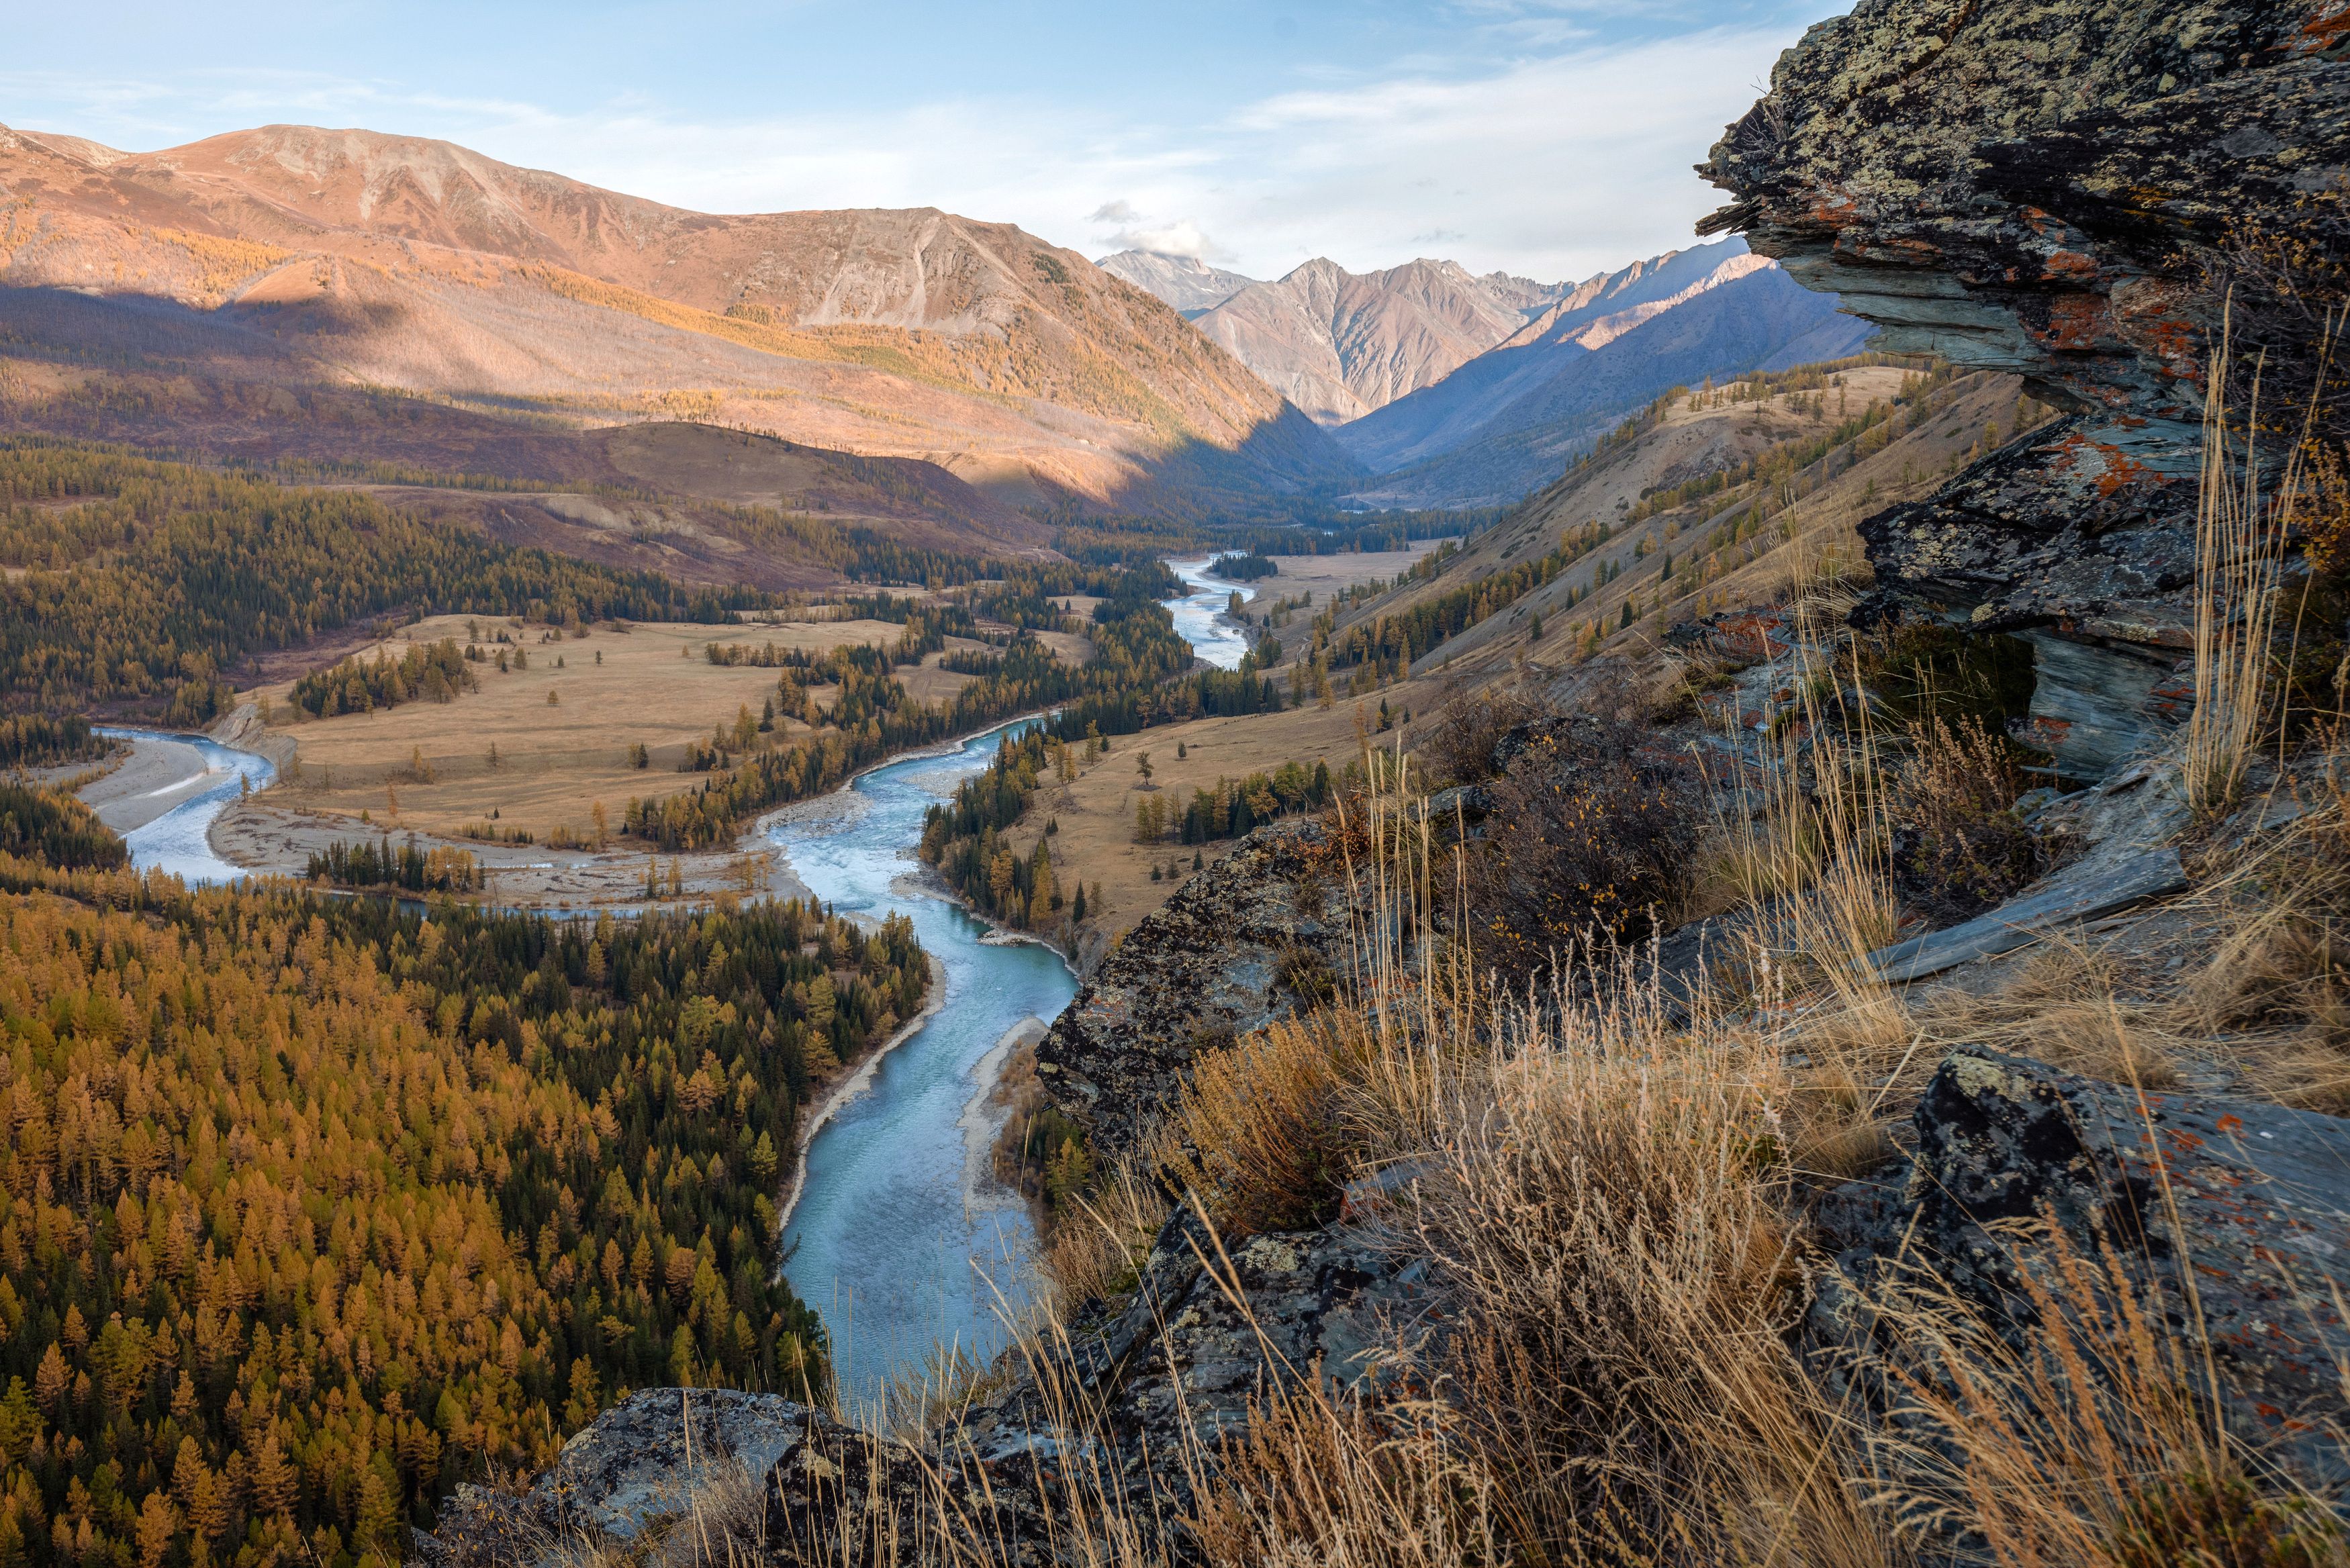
1552,140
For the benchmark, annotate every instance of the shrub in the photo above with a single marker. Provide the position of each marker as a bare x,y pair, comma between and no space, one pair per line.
1260,1133
1461,750
1957,846
1585,840
1926,669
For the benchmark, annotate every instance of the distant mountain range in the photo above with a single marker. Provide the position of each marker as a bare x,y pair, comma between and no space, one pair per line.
1457,390
292,256
1505,423
1340,344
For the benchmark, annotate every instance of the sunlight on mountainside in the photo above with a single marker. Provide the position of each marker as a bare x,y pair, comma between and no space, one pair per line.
1444,868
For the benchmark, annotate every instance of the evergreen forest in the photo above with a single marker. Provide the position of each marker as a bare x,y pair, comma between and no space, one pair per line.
313,1208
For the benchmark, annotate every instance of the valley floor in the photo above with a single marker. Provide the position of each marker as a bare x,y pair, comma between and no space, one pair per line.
543,746
1096,839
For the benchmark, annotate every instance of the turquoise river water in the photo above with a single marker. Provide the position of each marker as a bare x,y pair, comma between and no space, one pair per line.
895,1236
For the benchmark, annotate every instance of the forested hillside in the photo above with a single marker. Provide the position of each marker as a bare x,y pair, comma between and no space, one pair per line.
140,581
311,1210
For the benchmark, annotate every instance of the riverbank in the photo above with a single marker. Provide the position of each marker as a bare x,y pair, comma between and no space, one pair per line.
265,833
156,775
855,1077
989,1114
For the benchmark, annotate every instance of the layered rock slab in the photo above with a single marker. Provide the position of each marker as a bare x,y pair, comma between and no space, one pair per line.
2233,1215
2063,191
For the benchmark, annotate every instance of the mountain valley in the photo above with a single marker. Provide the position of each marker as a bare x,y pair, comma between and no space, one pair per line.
1465,391
703,890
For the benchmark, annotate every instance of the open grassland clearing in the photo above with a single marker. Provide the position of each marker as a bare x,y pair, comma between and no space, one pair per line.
1326,575
1096,839
561,733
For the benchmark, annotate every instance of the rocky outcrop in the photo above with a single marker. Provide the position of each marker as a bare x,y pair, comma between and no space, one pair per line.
1157,1380
637,1468
1210,1330
2061,190
2236,1213
1247,940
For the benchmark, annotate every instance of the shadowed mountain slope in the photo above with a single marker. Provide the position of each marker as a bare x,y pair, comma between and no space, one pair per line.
1503,423
348,257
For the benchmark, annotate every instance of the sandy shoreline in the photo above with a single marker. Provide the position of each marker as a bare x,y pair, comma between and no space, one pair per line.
156,776
854,1083
273,840
985,1115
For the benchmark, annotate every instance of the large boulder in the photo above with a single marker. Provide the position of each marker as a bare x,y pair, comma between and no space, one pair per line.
2235,1213
1258,936
638,1467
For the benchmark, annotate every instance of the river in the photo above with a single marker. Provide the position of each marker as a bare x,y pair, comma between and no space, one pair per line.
1200,614
200,777
896,1238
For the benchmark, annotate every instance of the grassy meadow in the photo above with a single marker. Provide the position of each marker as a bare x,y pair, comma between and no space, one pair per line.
561,731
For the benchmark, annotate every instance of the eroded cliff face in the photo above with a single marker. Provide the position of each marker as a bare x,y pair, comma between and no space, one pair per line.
2068,191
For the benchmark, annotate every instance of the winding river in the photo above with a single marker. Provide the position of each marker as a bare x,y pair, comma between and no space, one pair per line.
179,840
896,1239
896,1236
1200,614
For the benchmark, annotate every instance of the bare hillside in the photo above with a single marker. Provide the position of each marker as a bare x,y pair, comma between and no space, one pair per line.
1710,500
291,253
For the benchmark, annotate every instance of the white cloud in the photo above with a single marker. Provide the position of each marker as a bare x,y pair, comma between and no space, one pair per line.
1140,232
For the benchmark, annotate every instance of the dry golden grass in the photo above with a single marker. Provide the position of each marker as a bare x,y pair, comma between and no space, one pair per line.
1614,1382
1092,1254
2240,565
1095,841
2094,1440
1324,575
1605,1192
1261,1131
555,760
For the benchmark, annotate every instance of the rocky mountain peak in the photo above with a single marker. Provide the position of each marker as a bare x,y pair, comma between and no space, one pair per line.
1187,283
